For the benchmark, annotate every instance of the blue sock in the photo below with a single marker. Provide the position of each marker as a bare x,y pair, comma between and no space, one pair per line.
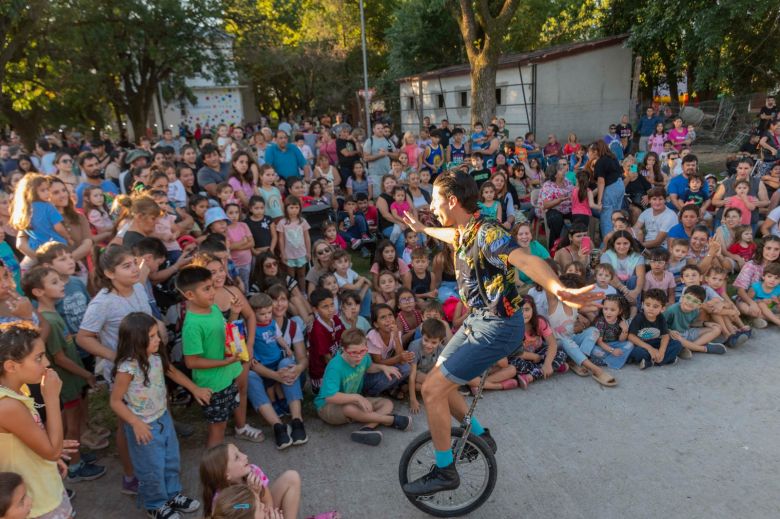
476,427
443,458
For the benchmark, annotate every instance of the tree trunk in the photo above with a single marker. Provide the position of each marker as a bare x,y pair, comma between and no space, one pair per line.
483,89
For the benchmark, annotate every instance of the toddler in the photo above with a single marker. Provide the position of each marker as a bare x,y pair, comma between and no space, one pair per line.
399,208
766,293
743,245
605,273
612,347
489,207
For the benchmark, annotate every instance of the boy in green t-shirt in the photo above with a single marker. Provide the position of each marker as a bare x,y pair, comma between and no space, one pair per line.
339,400
45,285
203,343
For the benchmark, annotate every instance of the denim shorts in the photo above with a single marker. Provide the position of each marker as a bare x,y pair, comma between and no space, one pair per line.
482,340
256,391
222,404
296,262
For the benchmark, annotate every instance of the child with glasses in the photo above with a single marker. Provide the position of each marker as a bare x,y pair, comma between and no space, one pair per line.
680,318
340,401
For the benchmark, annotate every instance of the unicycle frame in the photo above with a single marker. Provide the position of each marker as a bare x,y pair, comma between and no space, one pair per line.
466,422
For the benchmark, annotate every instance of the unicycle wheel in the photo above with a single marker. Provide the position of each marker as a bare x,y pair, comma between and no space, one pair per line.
476,467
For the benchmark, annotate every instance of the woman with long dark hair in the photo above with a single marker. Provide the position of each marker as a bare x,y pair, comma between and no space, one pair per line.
609,182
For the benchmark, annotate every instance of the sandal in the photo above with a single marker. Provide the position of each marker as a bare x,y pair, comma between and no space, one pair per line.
509,383
92,441
605,379
579,370
327,515
524,380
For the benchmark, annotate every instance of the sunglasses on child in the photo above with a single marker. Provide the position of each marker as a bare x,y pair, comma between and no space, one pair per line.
356,353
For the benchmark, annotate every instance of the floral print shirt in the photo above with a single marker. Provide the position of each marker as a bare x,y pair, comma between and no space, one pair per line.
146,400
552,191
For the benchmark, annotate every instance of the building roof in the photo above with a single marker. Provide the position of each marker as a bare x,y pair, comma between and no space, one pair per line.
525,58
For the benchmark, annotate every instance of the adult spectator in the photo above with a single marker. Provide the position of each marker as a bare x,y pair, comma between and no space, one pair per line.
625,132
768,113
91,176
213,171
427,124
287,161
769,141
134,159
646,126
524,237
377,152
98,147
656,221
168,140
63,169
609,182
7,163
328,147
678,185
553,149
554,203
491,146
43,156
726,190
688,220
386,218
348,154
340,124
612,139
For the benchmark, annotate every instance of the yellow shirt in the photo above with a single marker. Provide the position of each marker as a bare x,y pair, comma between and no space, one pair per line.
41,476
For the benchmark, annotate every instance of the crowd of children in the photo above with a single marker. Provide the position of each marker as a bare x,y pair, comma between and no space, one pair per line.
230,288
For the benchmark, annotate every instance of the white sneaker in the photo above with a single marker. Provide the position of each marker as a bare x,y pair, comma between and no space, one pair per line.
249,433
760,323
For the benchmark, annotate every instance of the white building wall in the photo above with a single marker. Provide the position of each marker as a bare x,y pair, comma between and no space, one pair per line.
583,94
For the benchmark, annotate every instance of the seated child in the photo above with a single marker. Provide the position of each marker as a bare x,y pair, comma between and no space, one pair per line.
650,335
612,347
680,318
767,291
339,400
325,335
385,346
540,356
15,500
605,273
409,317
743,201
678,258
350,311
432,309
273,363
422,280
743,245
659,276
329,283
410,244
426,351
331,235
388,285
348,279
353,226
728,315
223,466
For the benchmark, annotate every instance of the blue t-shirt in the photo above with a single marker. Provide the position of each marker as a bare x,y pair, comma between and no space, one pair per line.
679,186
73,306
762,294
44,218
12,264
340,377
107,186
267,350
678,231
286,163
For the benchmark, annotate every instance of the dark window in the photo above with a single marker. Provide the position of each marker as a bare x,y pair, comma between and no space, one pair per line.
410,100
498,96
440,100
464,99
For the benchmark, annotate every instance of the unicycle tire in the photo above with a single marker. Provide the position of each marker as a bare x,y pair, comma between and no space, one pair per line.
476,467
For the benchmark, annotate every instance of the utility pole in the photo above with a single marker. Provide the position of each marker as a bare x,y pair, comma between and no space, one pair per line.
367,95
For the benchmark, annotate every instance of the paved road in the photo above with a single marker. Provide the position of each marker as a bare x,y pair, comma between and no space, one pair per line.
695,440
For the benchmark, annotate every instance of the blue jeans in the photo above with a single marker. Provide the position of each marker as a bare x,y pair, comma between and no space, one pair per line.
611,202
357,230
256,391
579,346
157,463
365,305
672,349
375,384
399,242
482,340
601,357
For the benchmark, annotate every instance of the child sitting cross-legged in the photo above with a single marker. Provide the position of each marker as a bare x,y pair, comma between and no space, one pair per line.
612,347
340,401
680,318
712,302
385,346
728,315
766,293
426,352
272,364
649,333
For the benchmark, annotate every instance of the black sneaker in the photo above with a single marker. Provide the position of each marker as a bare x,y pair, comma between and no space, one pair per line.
164,512
644,363
716,348
401,422
298,435
367,436
437,480
84,472
282,435
464,390
88,457
489,440
182,503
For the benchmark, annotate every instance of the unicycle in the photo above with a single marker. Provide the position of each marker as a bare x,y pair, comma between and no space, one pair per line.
474,460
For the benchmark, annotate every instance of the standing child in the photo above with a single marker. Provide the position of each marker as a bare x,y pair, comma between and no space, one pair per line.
273,363
270,193
612,347
139,399
743,245
426,351
489,207
294,241
582,201
224,465
540,356
340,400
766,293
29,448
97,212
33,215
203,340
325,335
409,317
261,226
44,285
399,208
660,277
649,333
240,242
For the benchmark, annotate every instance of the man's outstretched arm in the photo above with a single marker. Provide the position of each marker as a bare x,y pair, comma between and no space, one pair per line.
445,234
